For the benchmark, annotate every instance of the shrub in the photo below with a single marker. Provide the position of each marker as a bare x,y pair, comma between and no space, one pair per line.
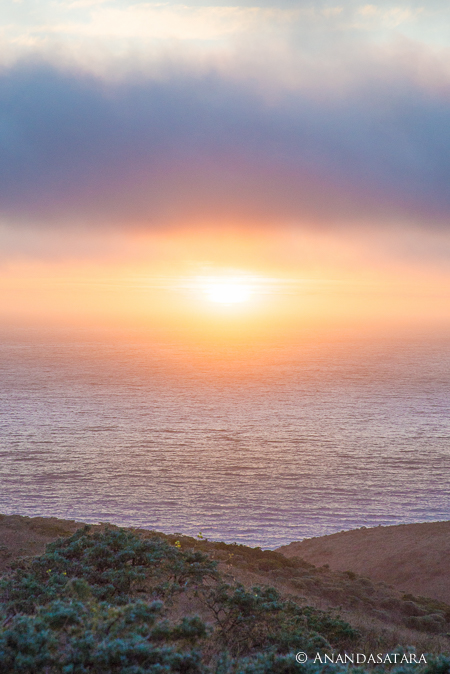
72,637
113,563
258,619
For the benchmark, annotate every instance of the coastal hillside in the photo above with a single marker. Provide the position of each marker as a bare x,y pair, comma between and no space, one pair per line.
108,600
380,612
414,558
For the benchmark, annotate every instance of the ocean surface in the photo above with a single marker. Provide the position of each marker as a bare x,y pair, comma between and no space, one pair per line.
260,446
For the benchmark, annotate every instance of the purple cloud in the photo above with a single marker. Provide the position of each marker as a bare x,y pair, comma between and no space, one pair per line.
75,149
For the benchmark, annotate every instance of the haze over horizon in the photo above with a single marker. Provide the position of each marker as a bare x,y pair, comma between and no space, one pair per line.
154,153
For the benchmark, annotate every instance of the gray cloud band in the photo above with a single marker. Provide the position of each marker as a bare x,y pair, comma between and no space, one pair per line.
148,152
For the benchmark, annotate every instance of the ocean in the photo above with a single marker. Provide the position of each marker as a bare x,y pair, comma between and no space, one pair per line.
261,446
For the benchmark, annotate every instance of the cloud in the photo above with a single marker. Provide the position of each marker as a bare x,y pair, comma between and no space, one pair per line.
121,26
76,150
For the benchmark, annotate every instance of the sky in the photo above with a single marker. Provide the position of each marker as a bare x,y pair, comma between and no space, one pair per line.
249,167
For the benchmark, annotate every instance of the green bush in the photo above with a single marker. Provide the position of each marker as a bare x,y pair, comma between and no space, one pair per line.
258,619
113,563
72,637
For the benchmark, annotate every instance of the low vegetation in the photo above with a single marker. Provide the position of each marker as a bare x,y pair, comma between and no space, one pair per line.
109,600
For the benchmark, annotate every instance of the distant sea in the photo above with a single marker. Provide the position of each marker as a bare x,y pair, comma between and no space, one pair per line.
260,446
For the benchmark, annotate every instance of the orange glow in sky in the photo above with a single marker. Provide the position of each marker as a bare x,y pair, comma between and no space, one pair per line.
251,284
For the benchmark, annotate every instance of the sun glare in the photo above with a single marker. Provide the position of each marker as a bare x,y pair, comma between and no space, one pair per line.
227,291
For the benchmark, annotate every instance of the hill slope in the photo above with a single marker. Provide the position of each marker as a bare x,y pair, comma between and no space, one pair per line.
413,557
109,601
383,615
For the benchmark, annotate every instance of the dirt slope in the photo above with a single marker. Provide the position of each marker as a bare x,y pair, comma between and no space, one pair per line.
24,536
413,557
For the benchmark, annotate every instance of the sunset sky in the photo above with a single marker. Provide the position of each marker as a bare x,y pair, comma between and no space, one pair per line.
249,167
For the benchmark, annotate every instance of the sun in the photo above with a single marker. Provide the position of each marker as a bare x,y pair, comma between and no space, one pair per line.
227,291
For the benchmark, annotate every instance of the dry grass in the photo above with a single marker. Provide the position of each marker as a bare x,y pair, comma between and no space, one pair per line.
413,557
26,536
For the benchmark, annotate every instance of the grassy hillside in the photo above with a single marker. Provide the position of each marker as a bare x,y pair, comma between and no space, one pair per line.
111,600
413,557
